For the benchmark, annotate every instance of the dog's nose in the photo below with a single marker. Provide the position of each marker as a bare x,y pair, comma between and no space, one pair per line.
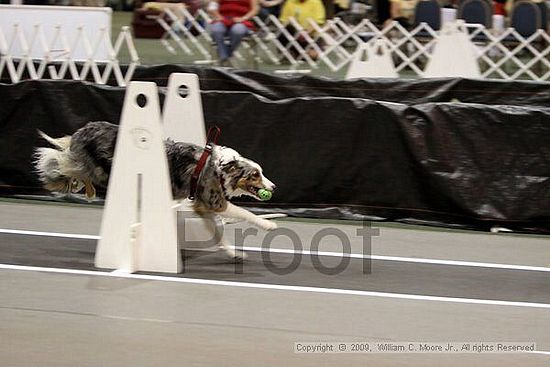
273,187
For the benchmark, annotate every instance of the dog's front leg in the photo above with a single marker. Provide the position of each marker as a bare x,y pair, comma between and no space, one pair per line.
231,251
233,211
217,229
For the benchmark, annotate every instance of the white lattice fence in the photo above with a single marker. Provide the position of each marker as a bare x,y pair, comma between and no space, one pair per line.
507,55
55,55
511,56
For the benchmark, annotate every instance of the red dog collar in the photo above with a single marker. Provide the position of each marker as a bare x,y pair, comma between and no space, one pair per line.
212,138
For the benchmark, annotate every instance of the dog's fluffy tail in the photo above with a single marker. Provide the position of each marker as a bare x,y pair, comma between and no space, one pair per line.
53,165
60,143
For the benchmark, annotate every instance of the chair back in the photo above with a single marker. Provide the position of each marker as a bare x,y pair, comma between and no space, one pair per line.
525,18
428,11
476,12
543,14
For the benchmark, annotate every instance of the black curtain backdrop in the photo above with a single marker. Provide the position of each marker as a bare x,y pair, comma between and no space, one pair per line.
451,152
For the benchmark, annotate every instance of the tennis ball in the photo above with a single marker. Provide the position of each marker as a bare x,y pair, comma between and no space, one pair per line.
264,194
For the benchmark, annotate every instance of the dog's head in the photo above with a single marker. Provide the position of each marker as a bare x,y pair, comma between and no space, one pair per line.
240,176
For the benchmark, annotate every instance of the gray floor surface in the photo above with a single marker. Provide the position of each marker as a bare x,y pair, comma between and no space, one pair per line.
63,319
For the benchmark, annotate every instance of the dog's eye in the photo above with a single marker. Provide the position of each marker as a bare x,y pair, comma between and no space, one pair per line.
255,174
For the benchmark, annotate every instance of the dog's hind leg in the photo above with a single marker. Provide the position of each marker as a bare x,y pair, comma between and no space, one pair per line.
90,189
75,186
207,232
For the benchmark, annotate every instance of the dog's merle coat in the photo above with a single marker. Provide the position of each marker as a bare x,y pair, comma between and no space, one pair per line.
226,174
86,158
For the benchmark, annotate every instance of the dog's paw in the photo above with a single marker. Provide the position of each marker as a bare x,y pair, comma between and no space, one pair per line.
267,225
235,255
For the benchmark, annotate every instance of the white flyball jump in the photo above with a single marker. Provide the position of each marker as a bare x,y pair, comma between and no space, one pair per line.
372,60
139,229
454,54
183,118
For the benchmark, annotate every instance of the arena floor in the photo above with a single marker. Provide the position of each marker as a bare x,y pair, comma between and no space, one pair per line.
421,285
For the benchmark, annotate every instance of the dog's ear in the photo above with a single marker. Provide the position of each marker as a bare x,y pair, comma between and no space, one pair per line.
231,166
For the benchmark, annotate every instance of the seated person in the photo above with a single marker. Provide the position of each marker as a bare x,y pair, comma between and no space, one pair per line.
341,5
162,6
304,11
175,7
402,11
231,18
499,7
270,7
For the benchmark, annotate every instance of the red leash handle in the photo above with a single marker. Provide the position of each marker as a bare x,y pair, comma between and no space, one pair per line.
211,138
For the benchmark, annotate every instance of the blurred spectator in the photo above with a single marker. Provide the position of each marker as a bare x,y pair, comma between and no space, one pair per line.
499,7
191,5
509,5
232,19
161,7
449,3
144,20
341,5
270,7
382,11
402,11
304,11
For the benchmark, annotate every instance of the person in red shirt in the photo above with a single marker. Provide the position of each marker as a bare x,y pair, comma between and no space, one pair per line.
231,18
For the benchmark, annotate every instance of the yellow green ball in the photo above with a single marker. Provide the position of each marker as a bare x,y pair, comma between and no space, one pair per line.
264,194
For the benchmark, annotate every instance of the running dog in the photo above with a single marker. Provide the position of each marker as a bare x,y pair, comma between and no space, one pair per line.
83,161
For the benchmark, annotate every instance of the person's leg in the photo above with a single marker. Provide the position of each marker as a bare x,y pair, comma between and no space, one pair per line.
236,34
285,41
218,31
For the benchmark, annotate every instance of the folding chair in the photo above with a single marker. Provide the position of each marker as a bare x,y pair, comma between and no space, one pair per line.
184,25
427,21
478,16
476,12
526,18
543,15
429,12
525,41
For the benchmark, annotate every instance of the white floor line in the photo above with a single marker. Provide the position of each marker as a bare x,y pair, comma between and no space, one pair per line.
539,352
320,253
402,259
49,234
293,288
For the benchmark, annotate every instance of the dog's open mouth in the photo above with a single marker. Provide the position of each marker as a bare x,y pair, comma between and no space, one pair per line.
253,190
